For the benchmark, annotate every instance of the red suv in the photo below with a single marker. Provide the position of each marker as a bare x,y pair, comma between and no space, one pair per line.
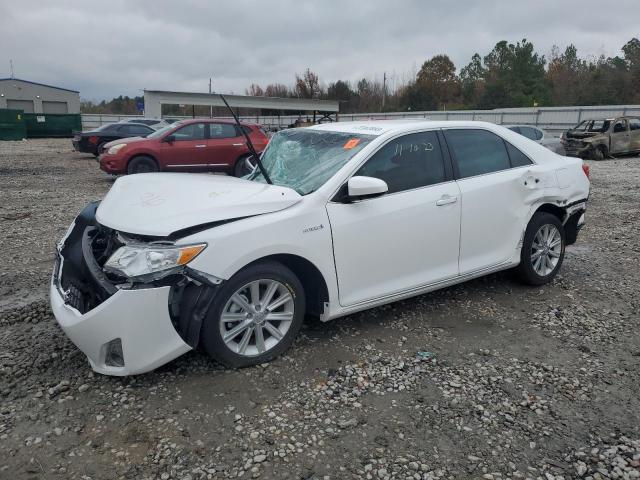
189,145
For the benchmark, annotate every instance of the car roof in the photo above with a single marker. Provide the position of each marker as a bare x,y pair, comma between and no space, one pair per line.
187,121
381,127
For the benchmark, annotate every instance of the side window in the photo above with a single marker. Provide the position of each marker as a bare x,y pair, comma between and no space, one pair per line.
411,161
518,159
139,130
222,130
193,131
477,152
634,123
620,126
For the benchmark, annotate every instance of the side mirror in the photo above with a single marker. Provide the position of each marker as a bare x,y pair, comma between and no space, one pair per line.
359,188
169,139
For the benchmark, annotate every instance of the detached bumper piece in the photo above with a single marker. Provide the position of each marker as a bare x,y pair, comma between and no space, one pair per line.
123,329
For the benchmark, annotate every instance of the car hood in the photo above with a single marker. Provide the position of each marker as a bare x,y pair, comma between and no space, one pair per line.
124,140
581,134
159,204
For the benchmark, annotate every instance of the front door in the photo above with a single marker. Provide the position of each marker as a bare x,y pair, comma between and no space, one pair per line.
620,137
495,179
634,131
189,150
406,238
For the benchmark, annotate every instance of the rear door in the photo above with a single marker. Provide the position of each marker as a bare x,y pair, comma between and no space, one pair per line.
406,238
620,136
226,144
189,151
494,179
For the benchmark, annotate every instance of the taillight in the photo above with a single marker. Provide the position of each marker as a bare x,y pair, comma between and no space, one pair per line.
93,140
585,169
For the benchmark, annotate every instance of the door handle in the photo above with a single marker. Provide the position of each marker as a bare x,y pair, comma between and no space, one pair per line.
446,200
200,146
238,144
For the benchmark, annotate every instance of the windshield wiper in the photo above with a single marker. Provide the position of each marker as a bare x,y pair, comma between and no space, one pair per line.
249,143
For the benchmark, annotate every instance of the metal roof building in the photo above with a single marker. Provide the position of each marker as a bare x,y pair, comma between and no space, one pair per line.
35,97
154,99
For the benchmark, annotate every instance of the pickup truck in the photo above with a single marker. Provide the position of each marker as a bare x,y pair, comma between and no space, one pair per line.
601,138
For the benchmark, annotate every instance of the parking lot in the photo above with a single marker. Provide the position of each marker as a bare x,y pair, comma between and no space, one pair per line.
488,379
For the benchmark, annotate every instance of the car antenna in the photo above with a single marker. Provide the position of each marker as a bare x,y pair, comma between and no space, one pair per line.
249,143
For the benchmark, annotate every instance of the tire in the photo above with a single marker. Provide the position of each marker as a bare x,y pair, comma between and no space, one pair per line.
142,164
243,348
100,149
539,264
600,153
241,168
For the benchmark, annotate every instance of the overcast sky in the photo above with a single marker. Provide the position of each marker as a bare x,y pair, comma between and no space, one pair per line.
109,48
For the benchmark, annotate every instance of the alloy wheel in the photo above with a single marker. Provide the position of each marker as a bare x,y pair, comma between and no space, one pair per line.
257,317
546,249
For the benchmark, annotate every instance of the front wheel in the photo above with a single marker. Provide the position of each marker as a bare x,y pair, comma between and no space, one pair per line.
542,249
600,153
100,149
142,164
255,316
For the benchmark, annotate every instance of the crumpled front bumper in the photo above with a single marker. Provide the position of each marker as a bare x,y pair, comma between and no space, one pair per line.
139,318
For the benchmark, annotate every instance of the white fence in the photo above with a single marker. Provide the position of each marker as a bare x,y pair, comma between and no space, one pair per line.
553,119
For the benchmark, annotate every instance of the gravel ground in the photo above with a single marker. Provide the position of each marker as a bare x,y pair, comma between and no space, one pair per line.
487,380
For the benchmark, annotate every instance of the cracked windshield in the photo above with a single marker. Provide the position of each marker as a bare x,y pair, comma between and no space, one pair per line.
304,159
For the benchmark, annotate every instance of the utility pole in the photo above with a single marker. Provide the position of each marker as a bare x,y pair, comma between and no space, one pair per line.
11,67
384,88
211,106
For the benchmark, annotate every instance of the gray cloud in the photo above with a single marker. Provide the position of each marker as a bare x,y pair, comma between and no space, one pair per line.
118,47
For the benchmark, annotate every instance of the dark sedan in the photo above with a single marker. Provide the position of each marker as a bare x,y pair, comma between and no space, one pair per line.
93,141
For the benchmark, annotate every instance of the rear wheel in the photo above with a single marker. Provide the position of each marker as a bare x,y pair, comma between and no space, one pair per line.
542,249
244,166
142,164
255,316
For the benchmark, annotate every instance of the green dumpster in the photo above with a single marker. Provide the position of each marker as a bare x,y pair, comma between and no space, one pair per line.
41,125
12,124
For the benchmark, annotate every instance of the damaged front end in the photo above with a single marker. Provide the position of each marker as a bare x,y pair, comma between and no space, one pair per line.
130,303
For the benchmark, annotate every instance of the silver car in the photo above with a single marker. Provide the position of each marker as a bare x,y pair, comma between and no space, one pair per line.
540,136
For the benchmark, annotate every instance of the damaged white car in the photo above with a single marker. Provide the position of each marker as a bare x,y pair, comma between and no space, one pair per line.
341,218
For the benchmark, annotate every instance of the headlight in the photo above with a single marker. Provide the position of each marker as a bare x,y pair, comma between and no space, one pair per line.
156,260
116,148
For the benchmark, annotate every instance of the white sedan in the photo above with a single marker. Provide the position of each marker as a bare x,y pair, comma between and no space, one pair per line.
540,136
357,215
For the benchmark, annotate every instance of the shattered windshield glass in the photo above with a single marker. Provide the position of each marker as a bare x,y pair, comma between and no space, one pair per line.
303,159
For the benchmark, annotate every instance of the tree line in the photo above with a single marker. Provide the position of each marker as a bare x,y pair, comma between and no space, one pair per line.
510,75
